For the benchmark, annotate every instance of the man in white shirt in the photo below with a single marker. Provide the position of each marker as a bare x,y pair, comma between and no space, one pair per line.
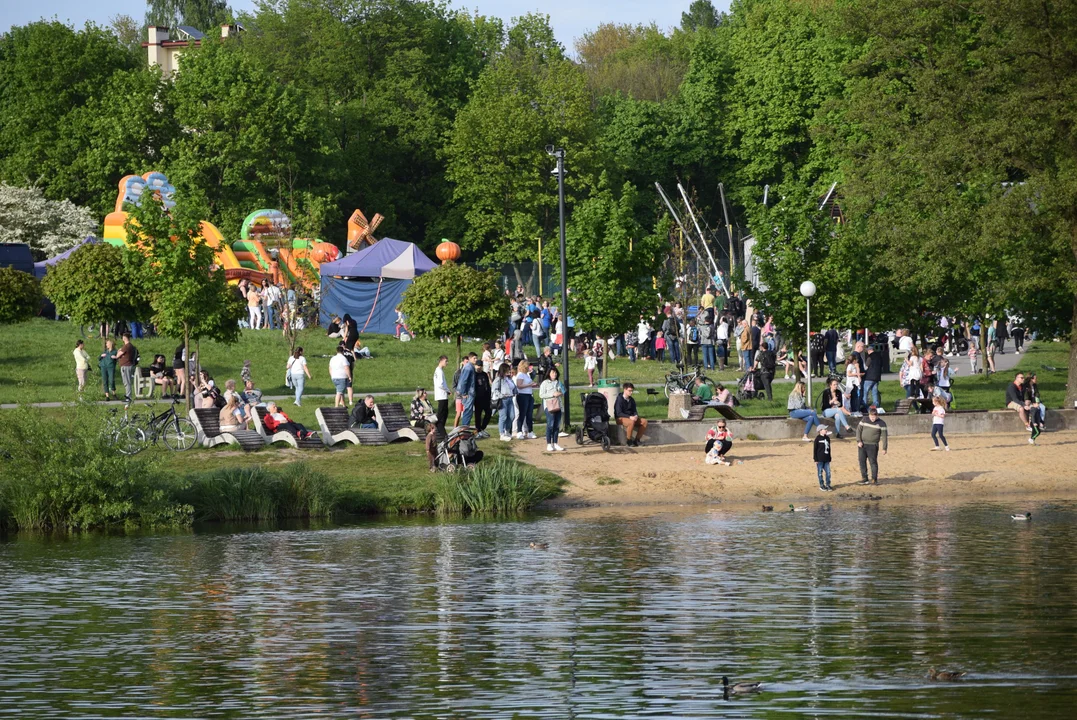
272,299
441,392
340,372
721,342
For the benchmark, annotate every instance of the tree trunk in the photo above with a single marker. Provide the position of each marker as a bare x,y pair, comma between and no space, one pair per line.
1071,380
458,341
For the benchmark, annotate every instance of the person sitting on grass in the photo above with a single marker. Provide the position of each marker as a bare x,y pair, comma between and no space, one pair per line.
363,415
276,421
626,415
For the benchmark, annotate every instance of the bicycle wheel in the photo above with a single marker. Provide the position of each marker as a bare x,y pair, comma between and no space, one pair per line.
672,386
179,434
128,439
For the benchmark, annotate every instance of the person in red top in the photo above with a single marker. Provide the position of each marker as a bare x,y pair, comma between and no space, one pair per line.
276,421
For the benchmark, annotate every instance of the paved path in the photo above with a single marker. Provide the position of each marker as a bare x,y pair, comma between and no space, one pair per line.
1003,364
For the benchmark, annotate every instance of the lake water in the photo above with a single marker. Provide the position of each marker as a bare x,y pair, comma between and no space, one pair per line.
840,611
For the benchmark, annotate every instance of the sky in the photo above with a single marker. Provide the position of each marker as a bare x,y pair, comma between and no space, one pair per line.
570,18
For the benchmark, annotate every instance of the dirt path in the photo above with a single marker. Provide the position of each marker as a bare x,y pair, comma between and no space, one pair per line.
777,472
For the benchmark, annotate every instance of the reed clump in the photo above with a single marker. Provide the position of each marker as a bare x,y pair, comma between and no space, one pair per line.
500,486
258,493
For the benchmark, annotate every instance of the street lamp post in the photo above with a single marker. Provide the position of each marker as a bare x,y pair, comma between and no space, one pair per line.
559,153
807,289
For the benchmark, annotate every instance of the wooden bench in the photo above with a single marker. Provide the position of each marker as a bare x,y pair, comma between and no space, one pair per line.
393,422
207,422
335,423
305,443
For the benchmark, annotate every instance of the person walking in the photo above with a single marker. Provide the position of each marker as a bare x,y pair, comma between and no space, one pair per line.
910,374
552,393
590,362
441,392
340,373
691,343
821,453
870,434
127,359
706,341
298,372
852,384
525,402
82,364
106,362
766,362
1018,334
504,395
938,419
799,411
830,349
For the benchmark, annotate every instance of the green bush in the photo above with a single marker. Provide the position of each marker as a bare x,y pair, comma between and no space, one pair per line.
20,296
255,493
65,474
500,486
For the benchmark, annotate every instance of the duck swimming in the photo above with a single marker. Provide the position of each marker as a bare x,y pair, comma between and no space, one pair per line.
1026,516
539,546
741,688
768,508
797,509
945,675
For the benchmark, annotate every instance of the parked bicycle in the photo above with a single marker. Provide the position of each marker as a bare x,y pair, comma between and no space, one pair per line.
686,381
177,432
124,434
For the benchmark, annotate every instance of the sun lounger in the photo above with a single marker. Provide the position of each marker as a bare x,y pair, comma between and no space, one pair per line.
336,427
393,421
208,424
291,439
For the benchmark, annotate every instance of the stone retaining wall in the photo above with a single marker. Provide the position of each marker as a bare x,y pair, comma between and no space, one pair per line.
670,432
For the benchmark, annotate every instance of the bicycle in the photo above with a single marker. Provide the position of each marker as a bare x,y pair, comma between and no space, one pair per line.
124,434
685,381
177,432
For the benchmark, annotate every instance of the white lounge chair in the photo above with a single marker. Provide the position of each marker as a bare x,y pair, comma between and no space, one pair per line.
207,421
393,421
259,426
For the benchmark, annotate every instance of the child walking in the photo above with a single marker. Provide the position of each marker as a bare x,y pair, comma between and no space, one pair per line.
974,358
938,418
590,362
719,442
821,453
660,347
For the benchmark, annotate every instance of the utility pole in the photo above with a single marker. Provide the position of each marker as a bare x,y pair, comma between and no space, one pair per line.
559,153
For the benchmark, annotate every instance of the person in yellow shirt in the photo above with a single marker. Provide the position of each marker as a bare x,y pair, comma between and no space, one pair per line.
82,364
707,301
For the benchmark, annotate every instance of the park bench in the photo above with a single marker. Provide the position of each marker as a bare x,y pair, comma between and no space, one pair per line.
305,443
393,422
207,421
144,382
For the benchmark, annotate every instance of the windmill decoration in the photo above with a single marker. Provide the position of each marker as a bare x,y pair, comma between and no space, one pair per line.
361,230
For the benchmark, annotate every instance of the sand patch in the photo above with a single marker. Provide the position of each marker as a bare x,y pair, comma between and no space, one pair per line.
783,471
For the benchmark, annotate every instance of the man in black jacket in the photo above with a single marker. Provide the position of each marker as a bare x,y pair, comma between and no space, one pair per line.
483,395
765,362
363,415
626,415
873,375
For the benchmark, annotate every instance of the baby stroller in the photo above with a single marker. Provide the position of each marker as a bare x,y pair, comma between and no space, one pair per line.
750,386
459,449
596,422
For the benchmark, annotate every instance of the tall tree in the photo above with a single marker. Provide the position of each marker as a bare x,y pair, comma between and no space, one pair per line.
204,15
93,285
529,97
701,15
49,227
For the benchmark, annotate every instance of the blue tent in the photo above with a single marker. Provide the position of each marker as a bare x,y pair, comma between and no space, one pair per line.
40,268
369,284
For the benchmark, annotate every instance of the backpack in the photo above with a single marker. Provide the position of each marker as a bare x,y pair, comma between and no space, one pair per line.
693,334
138,358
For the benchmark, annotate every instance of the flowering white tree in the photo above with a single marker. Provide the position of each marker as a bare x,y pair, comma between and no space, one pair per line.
50,226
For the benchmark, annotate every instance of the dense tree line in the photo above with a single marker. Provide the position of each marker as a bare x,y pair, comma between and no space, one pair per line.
949,129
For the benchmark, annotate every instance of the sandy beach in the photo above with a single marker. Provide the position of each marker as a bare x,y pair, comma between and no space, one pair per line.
775,472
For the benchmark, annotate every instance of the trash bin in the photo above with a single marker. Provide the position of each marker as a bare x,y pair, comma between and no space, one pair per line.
609,382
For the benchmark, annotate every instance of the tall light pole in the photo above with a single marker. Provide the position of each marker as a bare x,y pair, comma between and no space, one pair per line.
559,153
807,289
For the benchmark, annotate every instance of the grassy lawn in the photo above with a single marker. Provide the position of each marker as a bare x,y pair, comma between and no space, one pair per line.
36,364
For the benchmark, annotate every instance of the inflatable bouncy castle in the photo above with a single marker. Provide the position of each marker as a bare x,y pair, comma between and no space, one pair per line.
266,244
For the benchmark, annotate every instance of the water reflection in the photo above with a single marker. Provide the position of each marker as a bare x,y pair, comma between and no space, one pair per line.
840,611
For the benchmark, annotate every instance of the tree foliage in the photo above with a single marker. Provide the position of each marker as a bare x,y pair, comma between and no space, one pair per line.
612,260
20,296
204,15
455,300
49,227
93,285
